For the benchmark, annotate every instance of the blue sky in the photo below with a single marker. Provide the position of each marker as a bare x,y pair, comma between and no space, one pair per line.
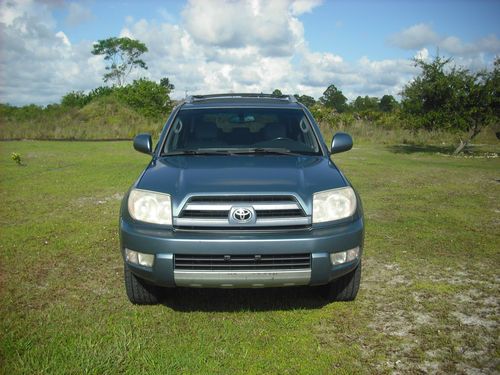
300,46
360,28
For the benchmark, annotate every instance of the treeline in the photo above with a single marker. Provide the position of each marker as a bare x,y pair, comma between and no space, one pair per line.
103,113
148,98
443,97
361,105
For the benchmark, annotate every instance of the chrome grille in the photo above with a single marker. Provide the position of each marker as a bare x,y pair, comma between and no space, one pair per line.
242,262
270,211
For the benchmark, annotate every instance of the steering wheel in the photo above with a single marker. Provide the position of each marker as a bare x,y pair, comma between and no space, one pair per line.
280,139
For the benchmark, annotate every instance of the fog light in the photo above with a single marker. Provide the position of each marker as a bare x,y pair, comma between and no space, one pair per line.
344,256
142,259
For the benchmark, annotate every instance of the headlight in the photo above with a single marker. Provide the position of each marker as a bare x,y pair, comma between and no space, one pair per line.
150,207
333,204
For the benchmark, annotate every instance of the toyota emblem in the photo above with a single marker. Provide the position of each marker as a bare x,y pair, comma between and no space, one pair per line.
242,215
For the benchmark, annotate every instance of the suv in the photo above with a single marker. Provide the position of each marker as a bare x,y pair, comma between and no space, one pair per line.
241,193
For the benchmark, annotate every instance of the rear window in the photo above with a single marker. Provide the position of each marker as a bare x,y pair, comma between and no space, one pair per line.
235,128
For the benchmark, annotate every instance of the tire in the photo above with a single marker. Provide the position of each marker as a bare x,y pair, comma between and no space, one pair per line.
138,292
344,288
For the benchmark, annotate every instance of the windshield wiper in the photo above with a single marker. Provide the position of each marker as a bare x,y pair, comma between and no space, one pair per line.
196,152
234,151
261,150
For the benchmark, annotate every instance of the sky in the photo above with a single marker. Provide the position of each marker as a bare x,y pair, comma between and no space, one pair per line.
213,46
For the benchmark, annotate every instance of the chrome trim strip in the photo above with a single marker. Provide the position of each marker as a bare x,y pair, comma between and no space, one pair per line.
301,220
191,222
241,279
265,222
227,206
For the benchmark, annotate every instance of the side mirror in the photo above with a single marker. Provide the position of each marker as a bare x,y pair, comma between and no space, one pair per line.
143,143
341,142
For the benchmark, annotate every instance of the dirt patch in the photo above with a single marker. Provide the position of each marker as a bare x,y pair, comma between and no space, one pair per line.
473,320
433,323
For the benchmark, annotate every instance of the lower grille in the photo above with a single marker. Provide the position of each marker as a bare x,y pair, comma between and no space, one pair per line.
242,262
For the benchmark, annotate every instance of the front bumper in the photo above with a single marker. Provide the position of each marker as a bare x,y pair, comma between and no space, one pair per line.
166,243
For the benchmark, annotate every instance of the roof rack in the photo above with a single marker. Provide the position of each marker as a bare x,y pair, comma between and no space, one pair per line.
195,98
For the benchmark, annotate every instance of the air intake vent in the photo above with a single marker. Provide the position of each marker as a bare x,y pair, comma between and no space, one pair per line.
242,262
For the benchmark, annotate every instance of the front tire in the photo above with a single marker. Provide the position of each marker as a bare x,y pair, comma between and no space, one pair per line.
138,292
344,288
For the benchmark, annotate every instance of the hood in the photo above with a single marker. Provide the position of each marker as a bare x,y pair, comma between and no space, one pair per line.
181,176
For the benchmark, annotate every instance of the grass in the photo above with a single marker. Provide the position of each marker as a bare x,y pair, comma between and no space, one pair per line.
365,132
429,298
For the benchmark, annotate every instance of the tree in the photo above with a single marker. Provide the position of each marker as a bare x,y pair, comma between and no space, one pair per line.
451,98
307,100
387,103
481,105
123,55
146,97
277,92
333,98
366,104
165,82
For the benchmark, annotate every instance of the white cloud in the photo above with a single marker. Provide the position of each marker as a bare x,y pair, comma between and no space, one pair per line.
455,46
362,77
304,6
38,64
200,68
414,37
64,38
384,75
10,11
268,25
420,36
237,46
422,54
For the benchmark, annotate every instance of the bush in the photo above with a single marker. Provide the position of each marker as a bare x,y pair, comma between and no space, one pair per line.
101,92
76,99
146,97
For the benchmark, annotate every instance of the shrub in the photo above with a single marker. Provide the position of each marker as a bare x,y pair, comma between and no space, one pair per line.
146,97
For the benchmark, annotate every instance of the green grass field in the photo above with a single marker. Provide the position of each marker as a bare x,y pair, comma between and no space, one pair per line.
429,298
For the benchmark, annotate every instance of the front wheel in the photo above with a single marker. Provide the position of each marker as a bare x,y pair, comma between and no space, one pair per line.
138,292
344,288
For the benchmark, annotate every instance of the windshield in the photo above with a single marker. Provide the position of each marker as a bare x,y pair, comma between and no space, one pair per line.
241,130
